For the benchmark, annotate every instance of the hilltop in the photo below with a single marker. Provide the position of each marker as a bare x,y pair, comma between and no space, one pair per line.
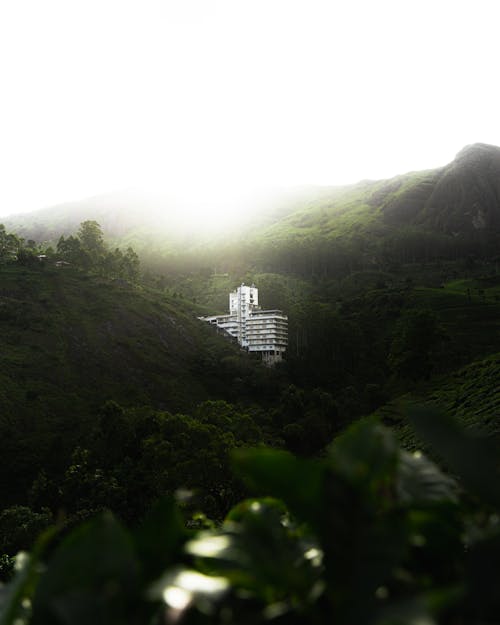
444,207
461,198
449,212
155,223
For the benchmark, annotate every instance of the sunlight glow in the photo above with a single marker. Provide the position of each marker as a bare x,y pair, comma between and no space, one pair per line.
21,560
208,100
184,586
197,582
177,598
314,555
208,546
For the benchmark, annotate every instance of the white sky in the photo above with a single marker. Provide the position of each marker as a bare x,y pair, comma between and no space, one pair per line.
209,96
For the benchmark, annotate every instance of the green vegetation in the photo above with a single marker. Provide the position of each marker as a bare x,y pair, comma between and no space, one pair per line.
114,396
448,213
368,534
72,341
470,394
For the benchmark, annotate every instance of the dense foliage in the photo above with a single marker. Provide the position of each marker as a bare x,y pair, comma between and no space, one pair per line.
114,397
367,534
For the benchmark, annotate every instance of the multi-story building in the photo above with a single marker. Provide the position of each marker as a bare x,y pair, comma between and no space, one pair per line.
261,331
267,333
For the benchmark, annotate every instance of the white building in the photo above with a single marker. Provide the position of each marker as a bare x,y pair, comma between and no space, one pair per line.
262,331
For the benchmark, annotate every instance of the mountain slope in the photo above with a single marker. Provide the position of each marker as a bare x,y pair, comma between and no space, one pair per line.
460,201
461,198
70,341
471,395
127,216
156,222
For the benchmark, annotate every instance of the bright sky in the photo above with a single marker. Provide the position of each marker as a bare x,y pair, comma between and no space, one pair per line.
211,96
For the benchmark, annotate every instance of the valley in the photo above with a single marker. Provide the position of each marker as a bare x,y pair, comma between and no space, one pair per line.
115,395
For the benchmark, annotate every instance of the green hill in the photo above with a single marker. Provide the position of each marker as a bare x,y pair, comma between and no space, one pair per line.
385,289
447,212
451,213
461,198
114,394
471,395
70,341
469,311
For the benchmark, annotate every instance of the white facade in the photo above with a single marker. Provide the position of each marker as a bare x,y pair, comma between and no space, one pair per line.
228,323
267,333
262,331
242,301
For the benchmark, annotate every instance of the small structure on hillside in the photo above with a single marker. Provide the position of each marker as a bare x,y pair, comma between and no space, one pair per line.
257,330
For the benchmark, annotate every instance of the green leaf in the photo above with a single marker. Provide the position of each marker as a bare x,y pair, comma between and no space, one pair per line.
91,577
182,587
15,597
472,456
279,474
420,481
16,593
160,537
366,456
363,529
259,549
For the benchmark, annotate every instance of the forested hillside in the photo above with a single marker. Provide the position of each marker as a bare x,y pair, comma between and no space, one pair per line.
113,395
451,212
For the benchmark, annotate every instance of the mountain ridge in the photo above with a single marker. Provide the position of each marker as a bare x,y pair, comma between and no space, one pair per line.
461,198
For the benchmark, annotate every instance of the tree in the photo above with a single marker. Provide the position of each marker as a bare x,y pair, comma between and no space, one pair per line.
71,251
19,527
91,238
130,264
110,263
9,244
26,256
417,336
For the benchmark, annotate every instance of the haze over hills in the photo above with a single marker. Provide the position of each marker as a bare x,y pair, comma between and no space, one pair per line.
156,221
461,198
114,394
311,253
153,469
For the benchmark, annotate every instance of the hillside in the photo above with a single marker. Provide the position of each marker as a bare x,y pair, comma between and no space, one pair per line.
156,223
470,395
461,198
375,309
74,340
114,395
449,211
127,216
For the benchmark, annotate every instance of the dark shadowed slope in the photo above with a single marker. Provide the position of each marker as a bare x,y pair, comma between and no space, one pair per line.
462,197
70,341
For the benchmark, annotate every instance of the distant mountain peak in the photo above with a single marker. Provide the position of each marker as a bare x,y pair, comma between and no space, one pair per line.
477,152
462,197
